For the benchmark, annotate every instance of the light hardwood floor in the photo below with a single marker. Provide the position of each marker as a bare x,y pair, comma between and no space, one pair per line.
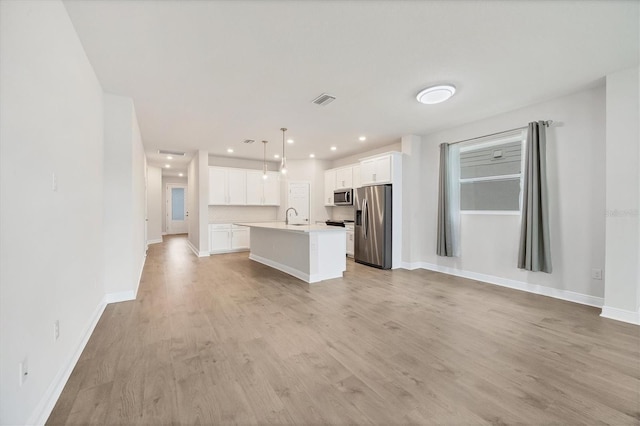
224,340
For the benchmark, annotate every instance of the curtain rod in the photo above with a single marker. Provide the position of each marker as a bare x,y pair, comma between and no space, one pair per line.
546,123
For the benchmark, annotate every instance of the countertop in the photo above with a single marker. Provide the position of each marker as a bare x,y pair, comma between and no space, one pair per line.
293,228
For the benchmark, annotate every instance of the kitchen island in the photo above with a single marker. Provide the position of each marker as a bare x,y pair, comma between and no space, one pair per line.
311,253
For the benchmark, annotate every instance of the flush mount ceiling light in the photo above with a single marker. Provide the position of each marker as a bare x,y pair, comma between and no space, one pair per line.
362,138
289,140
180,174
312,156
229,150
276,155
168,166
333,148
436,94
283,168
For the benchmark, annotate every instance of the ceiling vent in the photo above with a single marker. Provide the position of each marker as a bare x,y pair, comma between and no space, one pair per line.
165,152
248,141
324,99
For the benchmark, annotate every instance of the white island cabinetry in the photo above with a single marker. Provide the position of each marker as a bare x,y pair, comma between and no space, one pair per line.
311,253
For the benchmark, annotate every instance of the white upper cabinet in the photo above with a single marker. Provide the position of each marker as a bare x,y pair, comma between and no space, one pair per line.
255,189
377,170
329,186
344,177
217,186
263,192
356,177
272,189
237,187
227,186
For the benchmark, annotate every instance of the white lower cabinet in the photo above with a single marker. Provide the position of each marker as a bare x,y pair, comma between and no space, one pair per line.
350,239
227,238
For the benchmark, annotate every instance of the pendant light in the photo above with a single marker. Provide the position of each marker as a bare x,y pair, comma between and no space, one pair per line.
283,166
264,160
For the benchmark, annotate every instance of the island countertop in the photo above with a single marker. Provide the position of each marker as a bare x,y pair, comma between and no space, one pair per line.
291,227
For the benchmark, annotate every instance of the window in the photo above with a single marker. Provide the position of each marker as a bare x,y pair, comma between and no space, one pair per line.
491,175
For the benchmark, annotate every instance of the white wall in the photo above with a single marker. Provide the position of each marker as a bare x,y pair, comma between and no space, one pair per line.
622,279
413,221
165,181
198,203
50,242
241,163
354,159
154,205
576,176
124,199
227,214
311,171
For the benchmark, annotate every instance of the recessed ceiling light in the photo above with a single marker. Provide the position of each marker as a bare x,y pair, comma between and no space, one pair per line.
312,156
229,150
168,166
333,148
436,94
276,155
169,157
180,174
289,140
362,138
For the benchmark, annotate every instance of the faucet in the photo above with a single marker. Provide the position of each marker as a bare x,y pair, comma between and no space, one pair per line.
286,215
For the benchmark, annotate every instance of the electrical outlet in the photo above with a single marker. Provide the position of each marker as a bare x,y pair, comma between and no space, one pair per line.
24,370
56,330
596,274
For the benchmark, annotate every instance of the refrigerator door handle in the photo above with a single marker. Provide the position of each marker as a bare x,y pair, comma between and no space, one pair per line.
365,219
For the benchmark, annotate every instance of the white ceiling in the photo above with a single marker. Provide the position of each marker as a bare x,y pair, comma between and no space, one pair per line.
209,74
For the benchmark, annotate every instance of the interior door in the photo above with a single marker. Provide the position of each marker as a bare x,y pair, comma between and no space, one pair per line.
176,209
298,198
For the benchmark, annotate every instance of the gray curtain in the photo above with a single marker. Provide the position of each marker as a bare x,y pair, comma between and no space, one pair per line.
535,253
445,231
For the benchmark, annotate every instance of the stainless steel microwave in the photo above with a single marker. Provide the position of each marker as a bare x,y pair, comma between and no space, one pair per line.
343,197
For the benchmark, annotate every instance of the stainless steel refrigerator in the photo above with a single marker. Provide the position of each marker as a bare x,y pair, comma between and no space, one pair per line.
373,226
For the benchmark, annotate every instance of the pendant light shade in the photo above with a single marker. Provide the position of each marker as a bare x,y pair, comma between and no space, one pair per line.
283,165
264,160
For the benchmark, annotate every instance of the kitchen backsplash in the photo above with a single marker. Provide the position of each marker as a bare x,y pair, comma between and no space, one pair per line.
342,213
242,214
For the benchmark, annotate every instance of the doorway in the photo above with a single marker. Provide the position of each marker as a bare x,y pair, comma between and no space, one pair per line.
176,211
298,198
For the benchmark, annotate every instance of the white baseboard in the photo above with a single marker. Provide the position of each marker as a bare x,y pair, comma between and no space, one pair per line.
583,299
229,251
621,315
122,296
195,250
45,406
280,267
156,241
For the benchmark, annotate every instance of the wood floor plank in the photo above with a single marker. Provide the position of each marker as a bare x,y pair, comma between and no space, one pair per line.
224,340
